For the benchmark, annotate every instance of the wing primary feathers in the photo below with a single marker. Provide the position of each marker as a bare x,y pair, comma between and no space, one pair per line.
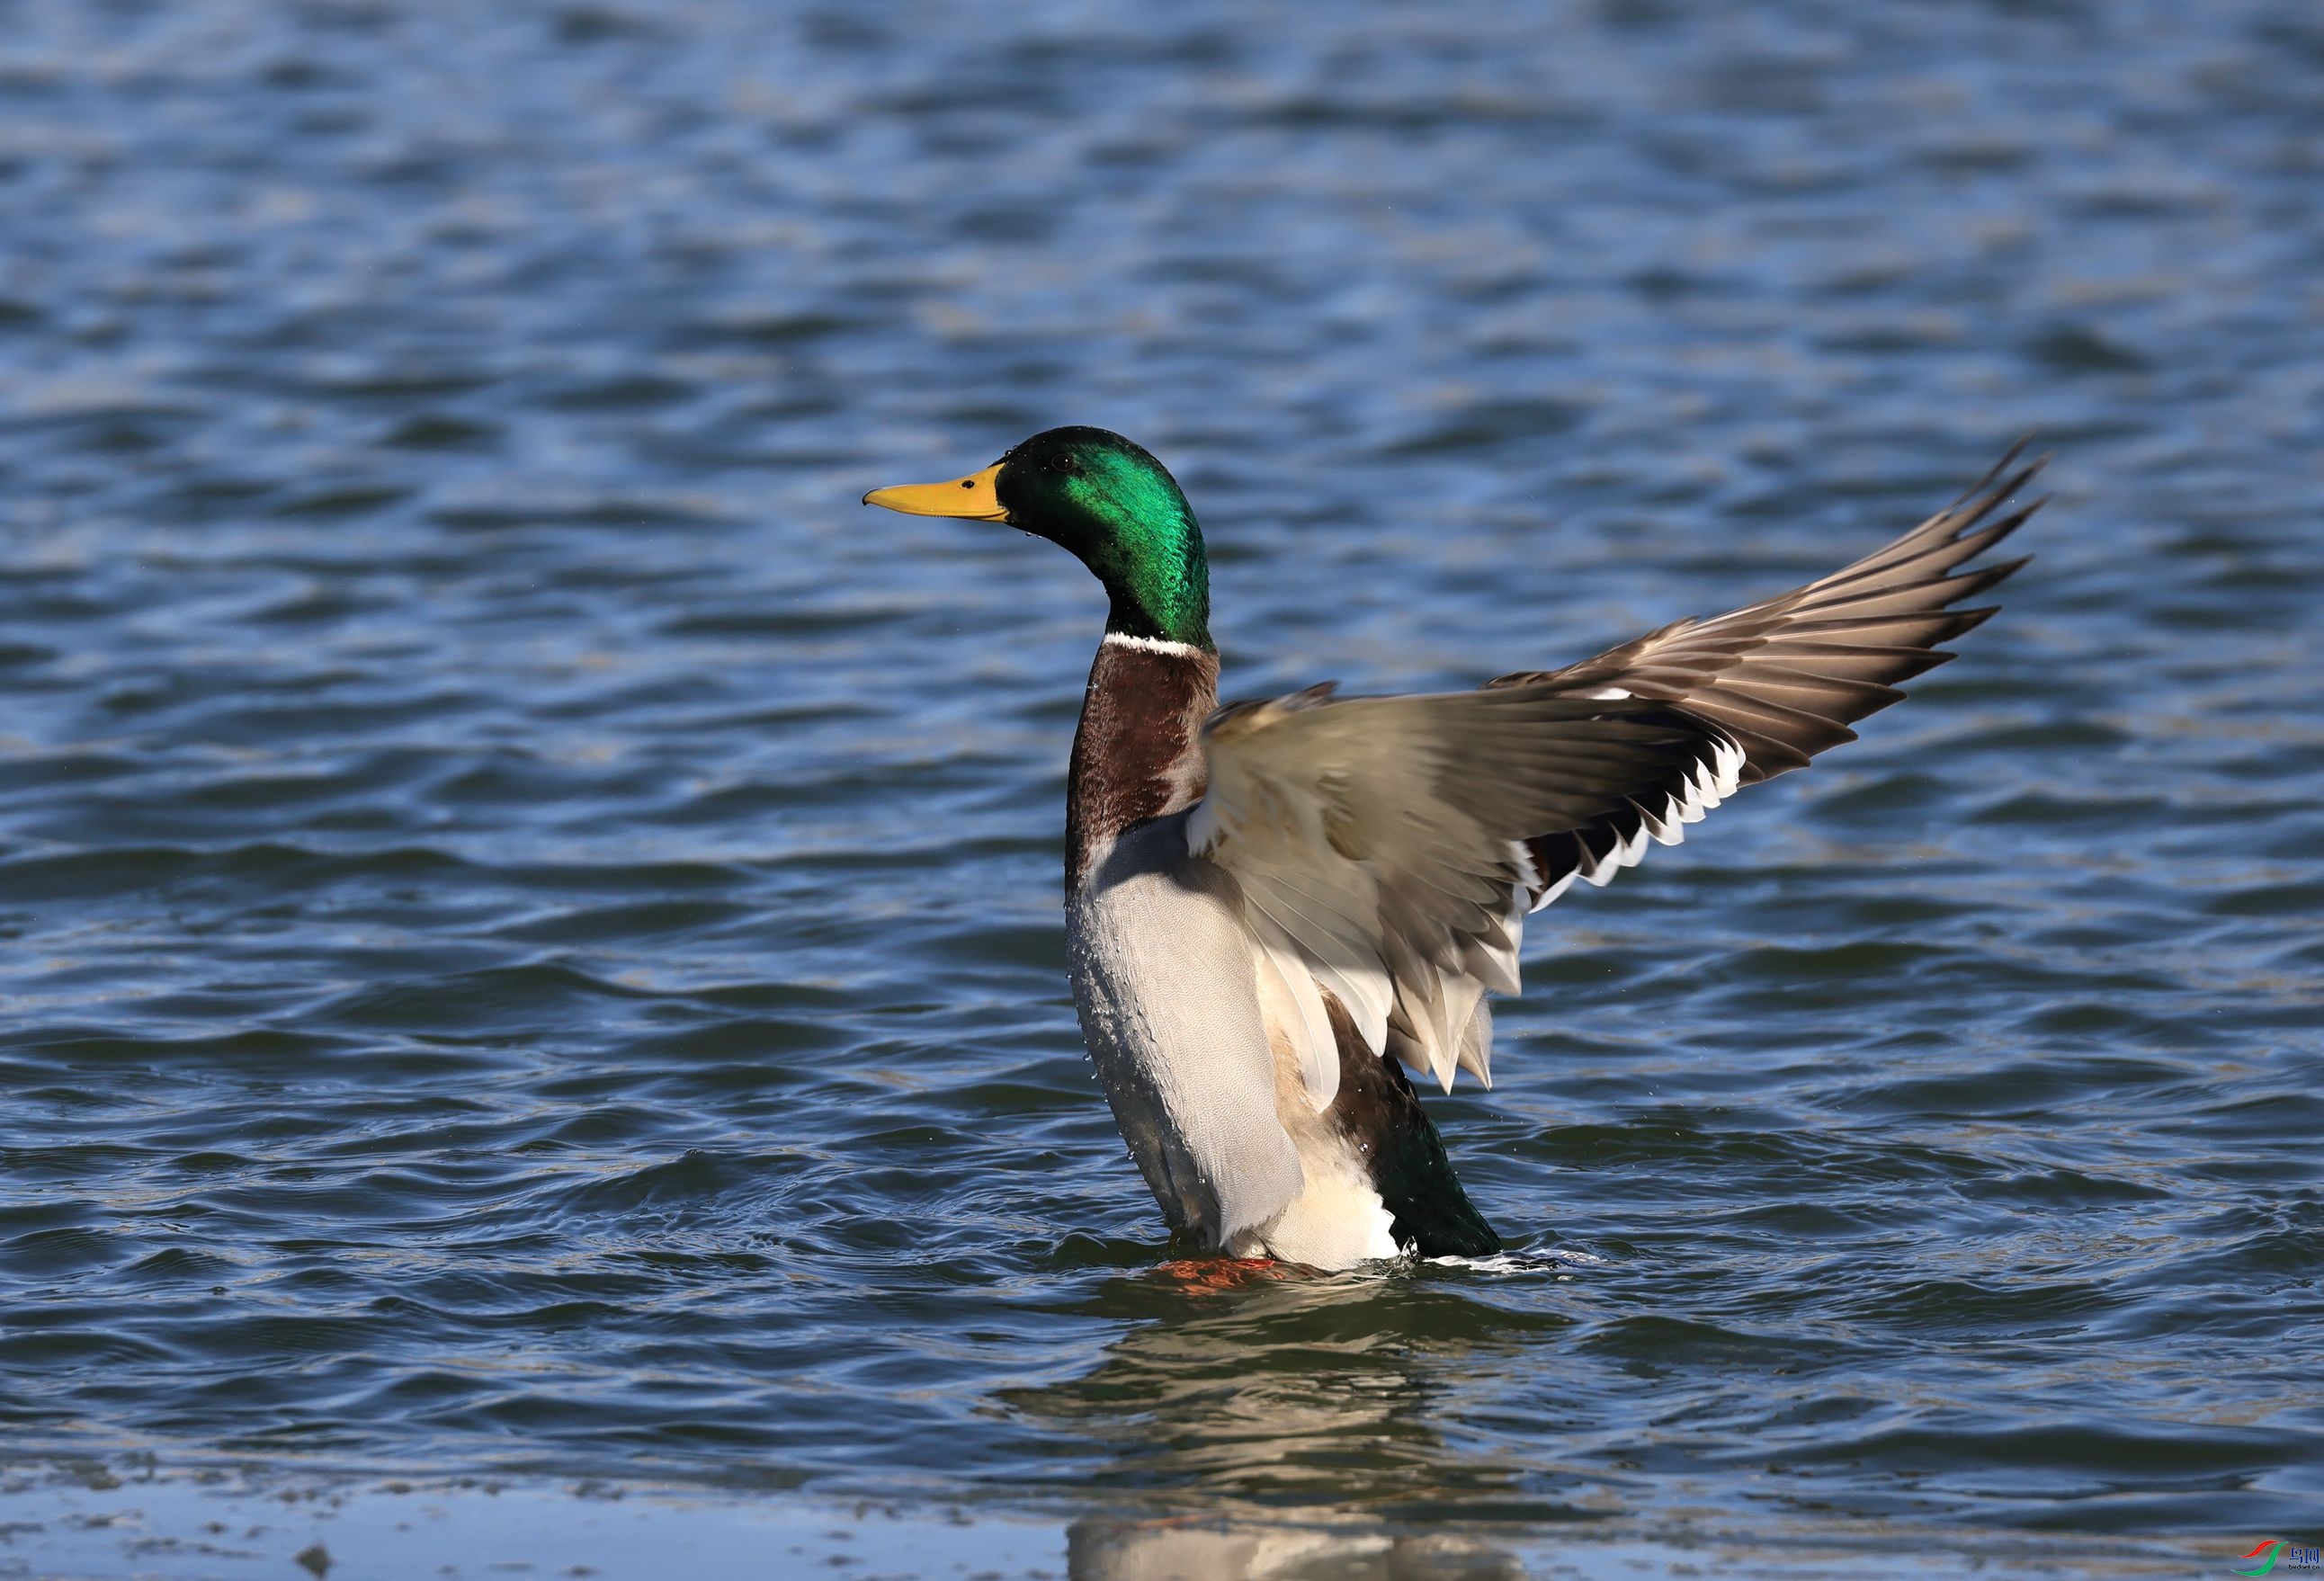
1389,848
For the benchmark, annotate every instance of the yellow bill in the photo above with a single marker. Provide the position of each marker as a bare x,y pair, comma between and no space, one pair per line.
974,497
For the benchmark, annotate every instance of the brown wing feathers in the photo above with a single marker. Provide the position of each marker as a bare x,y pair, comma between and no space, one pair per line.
1773,683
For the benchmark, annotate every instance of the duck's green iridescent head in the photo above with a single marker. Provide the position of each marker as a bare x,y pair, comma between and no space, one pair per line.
1107,500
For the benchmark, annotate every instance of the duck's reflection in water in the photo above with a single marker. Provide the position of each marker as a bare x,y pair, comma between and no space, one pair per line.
1289,1427
1186,1550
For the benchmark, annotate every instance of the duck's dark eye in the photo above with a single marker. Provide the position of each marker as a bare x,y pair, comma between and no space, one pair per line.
1064,464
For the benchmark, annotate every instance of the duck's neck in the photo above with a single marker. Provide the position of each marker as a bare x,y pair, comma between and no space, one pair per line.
1135,754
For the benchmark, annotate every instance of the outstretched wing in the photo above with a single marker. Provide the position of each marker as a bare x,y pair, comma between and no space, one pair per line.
1388,848
1774,683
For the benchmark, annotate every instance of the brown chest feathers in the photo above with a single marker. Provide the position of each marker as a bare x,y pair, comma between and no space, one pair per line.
1135,754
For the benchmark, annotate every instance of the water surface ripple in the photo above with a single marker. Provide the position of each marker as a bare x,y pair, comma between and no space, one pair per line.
532,921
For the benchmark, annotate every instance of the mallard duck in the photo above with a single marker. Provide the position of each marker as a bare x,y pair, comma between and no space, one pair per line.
1277,908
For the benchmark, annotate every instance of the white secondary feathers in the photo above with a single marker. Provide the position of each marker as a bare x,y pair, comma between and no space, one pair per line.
1662,816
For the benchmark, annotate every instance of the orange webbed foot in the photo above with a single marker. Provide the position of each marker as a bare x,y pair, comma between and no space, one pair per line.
1209,1275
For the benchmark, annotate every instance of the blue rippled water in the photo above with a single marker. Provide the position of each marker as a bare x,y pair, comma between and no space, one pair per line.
532,932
